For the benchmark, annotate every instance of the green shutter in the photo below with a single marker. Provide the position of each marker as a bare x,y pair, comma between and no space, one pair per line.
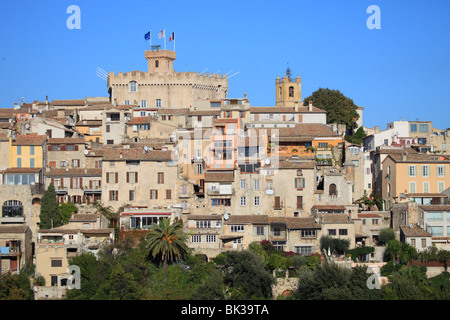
295,183
303,183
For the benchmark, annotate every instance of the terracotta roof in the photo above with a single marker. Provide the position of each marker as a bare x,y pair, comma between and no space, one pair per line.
13,229
204,113
420,158
140,120
83,217
426,195
29,140
22,170
315,129
296,164
415,231
329,207
368,215
205,217
74,172
335,219
66,141
89,123
301,109
177,112
136,154
219,176
72,102
435,208
302,223
247,219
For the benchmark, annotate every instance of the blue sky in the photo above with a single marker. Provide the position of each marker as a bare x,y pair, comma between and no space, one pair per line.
399,71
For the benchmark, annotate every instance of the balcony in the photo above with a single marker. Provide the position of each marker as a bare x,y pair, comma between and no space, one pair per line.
97,190
15,219
61,190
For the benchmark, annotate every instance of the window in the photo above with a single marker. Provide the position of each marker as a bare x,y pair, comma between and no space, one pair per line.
435,216
422,141
309,233
12,208
412,171
210,238
160,177
425,171
112,177
424,242
412,187
158,102
440,171
413,127
260,231
184,205
441,186
156,63
76,163
299,202
19,150
435,231
343,232
143,103
221,202
423,127
256,201
243,201
413,243
331,232
153,194
32,150
332,190
113,195
256,184
133,86
375,221
19,163
291,92
277,203
304,250
127,102
243,184
203,224
237,228
195,238
56,263
277,232
168,194
131,195
299,183
132,177
426,187
323,144
32,163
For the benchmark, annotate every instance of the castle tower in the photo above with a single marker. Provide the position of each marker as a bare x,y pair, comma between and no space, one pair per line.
288,92
160,61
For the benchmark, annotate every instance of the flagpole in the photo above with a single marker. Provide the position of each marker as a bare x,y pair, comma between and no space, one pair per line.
164,38
174,40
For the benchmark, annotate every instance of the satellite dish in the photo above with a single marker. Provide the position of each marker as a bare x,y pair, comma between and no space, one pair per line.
86,152
226,216
267,161
145,149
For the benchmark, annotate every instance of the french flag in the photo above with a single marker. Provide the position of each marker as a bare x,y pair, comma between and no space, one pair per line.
172,36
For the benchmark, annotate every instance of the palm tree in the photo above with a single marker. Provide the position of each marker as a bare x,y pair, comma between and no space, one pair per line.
167,240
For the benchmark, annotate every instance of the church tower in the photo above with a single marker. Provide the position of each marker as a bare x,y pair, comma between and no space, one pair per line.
288,91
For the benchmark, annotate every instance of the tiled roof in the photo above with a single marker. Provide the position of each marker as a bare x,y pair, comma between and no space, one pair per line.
205,217
89,123
71,102
414,231
335,219
204,113
420,158
22,170
426,195
329,207
66,141
74,172
284,110
140,120
83,217
219,176
302,223
296,164
247,219
136,154
368,215
13,229
435,208
29,140
177,112
315,129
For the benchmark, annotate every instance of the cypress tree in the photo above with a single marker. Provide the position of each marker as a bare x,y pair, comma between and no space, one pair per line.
50,215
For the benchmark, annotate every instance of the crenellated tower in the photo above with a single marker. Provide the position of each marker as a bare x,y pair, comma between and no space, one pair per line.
288,91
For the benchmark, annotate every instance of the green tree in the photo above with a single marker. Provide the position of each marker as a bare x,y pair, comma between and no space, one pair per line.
399,252
340,109
67,209
167,241
386,235
357,137
15,287
50,215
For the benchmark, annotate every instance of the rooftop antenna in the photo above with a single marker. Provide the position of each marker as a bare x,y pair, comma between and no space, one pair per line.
233,74
204,70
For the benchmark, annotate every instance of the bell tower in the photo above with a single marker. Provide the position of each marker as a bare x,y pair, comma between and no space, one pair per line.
288,91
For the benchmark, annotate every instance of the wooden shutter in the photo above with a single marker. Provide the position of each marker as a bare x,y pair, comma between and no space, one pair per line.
299,202
116,180
136,177
168,194
71,183
277,203
52,181
107,177
156,194
128,177
90,184
81,182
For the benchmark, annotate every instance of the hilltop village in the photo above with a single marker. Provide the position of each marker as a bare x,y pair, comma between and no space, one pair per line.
168,144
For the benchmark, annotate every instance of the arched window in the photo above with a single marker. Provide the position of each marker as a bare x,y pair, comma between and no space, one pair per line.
333,190
279,92
133,86
12,209
291,91
156,64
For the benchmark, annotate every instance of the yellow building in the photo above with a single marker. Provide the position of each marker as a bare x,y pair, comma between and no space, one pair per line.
414,174
91,130
27,151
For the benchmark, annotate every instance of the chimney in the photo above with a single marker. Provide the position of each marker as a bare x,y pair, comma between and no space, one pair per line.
310,106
